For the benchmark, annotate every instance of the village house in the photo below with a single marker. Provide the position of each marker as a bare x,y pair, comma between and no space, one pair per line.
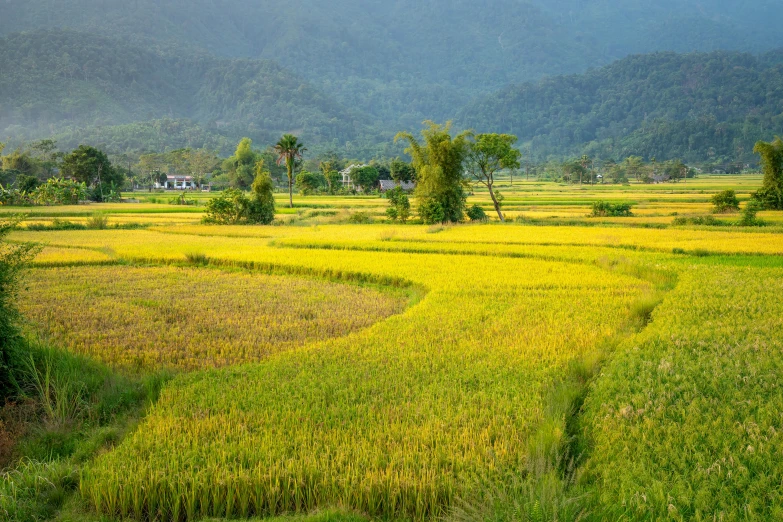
174,182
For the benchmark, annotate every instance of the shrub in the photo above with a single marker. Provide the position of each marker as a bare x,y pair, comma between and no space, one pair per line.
262,207
749,218
399,205
12,260
431,212
59,191
230,208
309,182
476,213
697,220
605,209
360,218
725,201
26,183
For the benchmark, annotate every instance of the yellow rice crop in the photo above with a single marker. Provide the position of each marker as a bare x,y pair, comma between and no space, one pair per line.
189,318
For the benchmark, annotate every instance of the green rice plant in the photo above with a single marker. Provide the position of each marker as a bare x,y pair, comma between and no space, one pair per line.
680,422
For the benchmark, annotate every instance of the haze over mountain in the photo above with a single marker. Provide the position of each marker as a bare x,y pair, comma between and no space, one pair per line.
365,68
693,106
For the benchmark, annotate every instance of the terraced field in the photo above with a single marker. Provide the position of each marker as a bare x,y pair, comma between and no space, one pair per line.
483,372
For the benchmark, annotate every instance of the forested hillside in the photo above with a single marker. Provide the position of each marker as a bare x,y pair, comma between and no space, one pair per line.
406,60
696,107
63,82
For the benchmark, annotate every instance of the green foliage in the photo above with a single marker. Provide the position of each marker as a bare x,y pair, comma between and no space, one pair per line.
606,209
36,490
333,179
60,191
487,155
725,201
365,178
289,151
92,167
13,258
439,164
749,213
230,208
476,213
360,218
697,220
399,205
771,193
431,212
670,111
402,171
26,183
310,182
239,167
262,206
233,207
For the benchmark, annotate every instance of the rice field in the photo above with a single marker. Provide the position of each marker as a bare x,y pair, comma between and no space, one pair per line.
399,372
189,318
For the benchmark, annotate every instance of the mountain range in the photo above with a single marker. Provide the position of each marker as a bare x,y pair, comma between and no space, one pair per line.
346,74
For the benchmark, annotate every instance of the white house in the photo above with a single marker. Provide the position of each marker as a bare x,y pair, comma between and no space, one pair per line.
174,182
346,174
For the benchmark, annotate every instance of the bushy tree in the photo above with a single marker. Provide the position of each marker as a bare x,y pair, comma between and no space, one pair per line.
331,176
477,214
230,208
240,167
402,171
59,191
725,201
365,178
487,155
26,183
92,167
262,205
771,193
605,209
308,182
399,205
439,168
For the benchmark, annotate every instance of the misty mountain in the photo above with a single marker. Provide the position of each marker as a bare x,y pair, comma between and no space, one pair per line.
55,81
695,106
404,60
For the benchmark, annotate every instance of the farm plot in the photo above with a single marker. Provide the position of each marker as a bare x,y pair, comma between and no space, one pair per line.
187,318
685,423
395,420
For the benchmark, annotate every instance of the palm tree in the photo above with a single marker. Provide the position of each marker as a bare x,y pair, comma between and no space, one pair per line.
289,149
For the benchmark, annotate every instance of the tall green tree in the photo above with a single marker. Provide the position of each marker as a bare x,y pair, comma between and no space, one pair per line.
330,174
634,167
262,205
365,178
487,155
92,167
439,162
289,150
771,193
402,171
240,167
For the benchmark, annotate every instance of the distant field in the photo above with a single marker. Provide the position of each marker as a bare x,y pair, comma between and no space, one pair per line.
404,372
